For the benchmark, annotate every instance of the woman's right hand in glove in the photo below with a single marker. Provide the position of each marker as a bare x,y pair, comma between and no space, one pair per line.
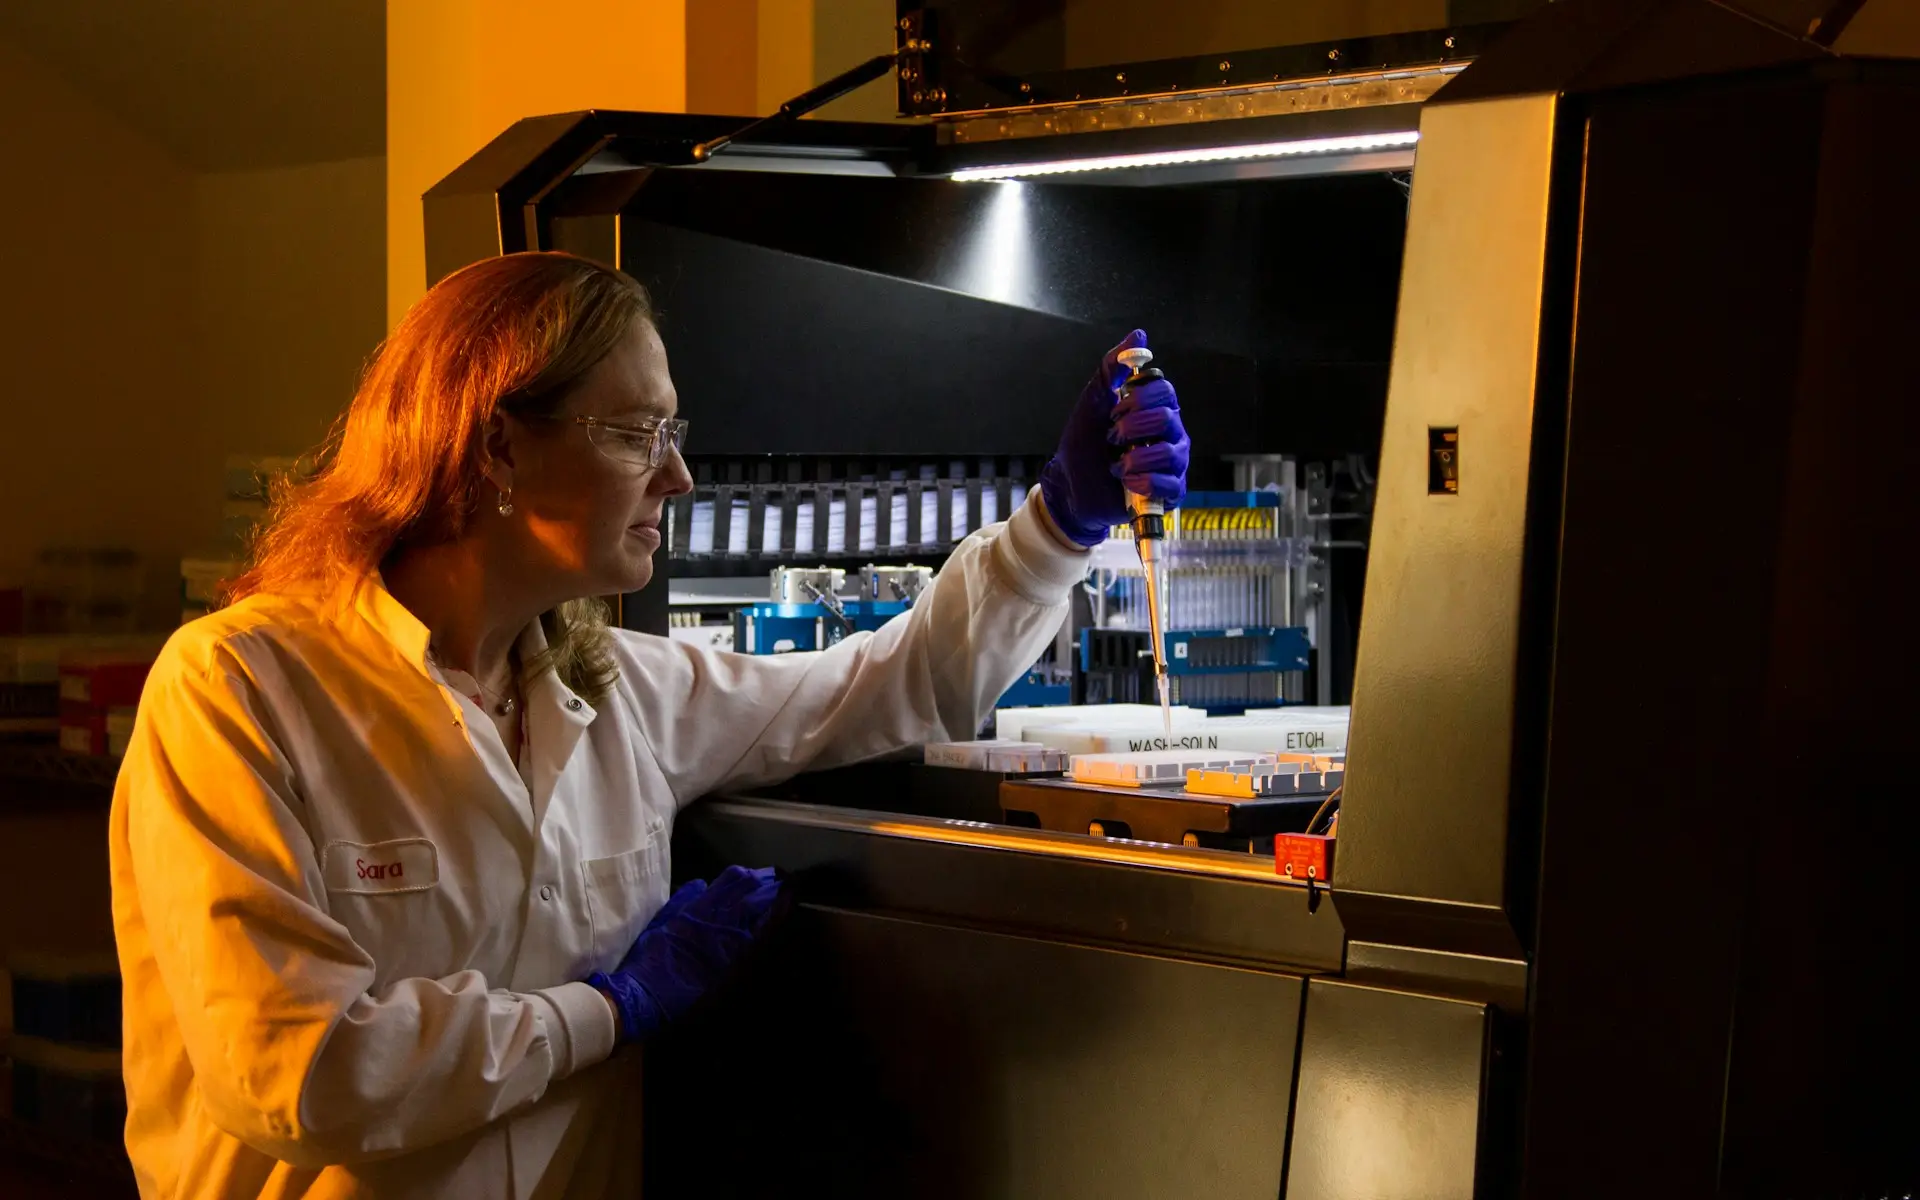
1112,446
691,944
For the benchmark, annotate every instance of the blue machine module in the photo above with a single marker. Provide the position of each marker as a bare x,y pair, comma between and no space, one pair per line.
1037,689
786,628
1219,670
1237,651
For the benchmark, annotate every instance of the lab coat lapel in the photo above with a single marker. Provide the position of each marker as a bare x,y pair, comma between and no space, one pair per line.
391,622
556,720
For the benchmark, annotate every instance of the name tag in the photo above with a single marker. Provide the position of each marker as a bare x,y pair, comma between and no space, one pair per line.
403,865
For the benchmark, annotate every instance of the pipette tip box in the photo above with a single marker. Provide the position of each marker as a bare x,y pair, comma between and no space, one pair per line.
1159,768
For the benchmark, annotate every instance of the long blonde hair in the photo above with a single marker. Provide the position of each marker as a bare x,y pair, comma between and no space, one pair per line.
403,465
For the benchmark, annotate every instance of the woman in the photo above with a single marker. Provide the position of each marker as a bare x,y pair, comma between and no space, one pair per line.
389,845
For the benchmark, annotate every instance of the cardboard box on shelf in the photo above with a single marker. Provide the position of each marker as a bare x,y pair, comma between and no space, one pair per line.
104,679
96,681
33,660
83,730
84,590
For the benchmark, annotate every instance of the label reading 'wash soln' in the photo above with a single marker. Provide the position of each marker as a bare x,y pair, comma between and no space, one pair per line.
1192,741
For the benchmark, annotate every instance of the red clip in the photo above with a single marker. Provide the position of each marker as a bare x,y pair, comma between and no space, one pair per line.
1307,856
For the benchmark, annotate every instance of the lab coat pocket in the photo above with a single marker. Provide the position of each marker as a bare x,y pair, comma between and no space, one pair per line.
389,896
623,892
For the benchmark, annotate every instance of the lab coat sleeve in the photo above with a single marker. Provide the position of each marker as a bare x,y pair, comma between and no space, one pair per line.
717,720
294,1050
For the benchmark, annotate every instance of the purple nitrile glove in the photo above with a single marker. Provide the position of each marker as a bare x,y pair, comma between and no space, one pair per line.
690,946
1113,446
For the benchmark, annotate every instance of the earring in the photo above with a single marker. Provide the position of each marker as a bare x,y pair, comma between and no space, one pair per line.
506,501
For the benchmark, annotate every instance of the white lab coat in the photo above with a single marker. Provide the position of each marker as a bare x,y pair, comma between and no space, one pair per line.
351,933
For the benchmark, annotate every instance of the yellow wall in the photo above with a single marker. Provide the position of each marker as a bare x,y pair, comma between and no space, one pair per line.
803,42
98,394
847,33
292,275
722,68
157,321
459,72
783,49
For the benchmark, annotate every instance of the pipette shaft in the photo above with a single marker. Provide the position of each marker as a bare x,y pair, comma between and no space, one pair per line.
1148,514
1149,527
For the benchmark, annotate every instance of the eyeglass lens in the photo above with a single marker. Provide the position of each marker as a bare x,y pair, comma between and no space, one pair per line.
646,447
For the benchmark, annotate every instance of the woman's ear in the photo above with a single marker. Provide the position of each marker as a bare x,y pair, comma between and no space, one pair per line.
496,441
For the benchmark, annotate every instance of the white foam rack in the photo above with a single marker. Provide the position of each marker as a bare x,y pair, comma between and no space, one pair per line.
1014,724
1158,768
1206,735
998,755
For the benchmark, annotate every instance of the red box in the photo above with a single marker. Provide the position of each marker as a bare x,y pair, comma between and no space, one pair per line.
83,729
1303,856
96,731
103,679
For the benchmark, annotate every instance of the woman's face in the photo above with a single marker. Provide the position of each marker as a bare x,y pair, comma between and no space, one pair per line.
591,520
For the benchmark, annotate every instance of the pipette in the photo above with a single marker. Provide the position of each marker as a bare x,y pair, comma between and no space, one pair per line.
1149,529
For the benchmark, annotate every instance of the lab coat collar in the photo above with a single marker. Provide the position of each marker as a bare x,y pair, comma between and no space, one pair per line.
556,720
396,624
393,621
547,686
556,717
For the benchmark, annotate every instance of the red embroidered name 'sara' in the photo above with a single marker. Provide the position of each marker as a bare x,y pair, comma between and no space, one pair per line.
367,870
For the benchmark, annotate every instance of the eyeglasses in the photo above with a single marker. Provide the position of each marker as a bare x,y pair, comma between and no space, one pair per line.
642,445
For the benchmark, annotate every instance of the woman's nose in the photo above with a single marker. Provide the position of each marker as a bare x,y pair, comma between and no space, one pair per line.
673,478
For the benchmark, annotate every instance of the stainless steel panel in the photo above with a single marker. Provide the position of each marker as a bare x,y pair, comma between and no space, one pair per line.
891,1058
1198,903
1390,1096
1745,379
1425,814
1501,982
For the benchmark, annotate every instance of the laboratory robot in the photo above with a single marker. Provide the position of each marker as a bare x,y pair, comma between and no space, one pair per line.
1578,335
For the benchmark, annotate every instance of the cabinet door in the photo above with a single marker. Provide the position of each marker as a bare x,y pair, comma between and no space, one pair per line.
1391,1092
874,1056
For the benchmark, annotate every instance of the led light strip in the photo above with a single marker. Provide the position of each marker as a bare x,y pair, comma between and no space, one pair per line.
1174,158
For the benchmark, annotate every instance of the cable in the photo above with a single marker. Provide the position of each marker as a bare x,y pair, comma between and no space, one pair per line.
1333,798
